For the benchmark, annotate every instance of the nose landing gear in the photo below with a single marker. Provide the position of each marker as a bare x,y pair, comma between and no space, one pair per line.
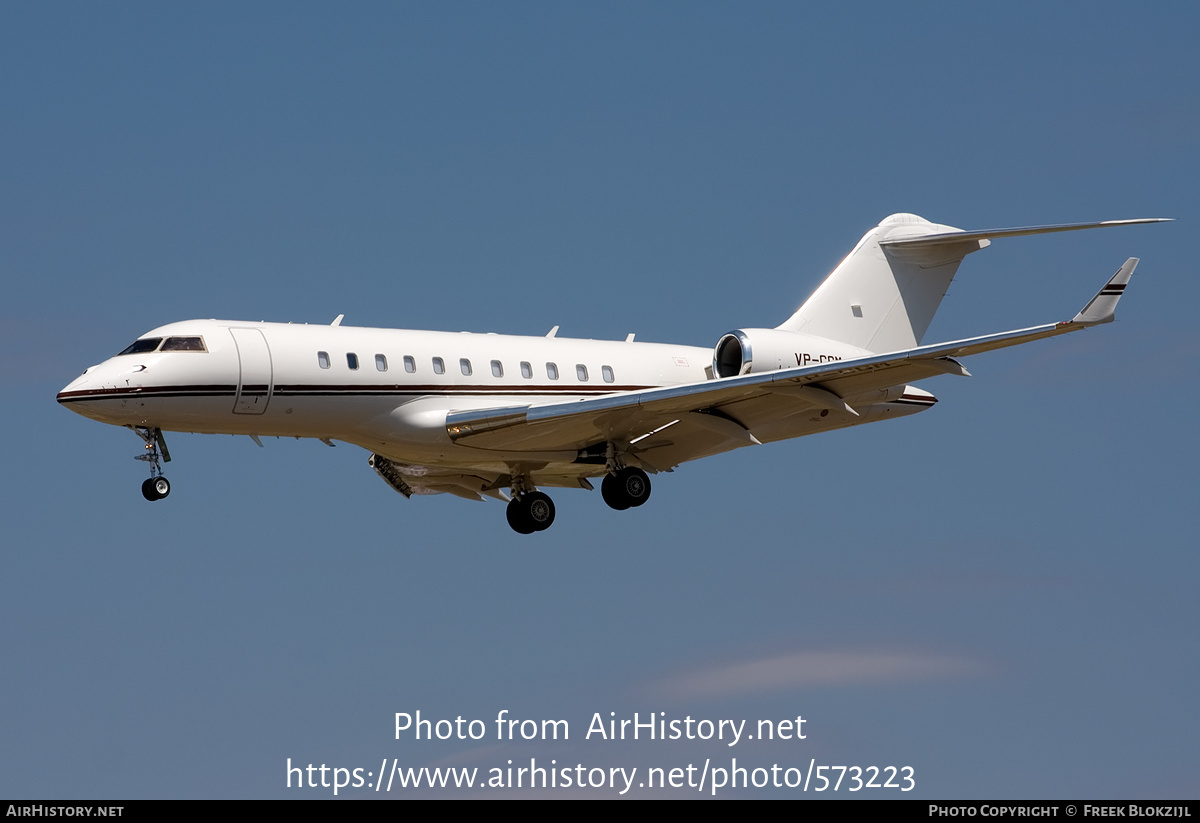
156,487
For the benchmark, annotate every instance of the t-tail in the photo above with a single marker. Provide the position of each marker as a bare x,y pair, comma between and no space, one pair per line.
883,296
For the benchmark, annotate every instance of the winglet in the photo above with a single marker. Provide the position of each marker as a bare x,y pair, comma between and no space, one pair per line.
1102,307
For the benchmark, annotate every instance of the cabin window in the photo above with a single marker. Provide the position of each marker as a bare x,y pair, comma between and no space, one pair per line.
607,373
526,370
323,359
184,344
410,365
497,369
581,372
439,366
552,371
352,360
381,362
464,365
142,346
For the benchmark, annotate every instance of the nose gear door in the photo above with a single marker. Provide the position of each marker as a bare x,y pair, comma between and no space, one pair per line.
255,381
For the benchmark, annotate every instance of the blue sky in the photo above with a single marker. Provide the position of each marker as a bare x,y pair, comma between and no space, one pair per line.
999,592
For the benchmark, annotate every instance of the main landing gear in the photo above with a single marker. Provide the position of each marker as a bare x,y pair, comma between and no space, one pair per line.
532,511
625,488
156,487
529,510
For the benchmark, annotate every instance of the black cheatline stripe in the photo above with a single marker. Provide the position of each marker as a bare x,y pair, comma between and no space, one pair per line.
213,388
434,388
332,391
126,394
148,395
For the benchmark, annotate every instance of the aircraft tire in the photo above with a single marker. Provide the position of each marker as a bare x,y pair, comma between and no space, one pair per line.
518,517
610,490
539,510
634,485
162,487
148,489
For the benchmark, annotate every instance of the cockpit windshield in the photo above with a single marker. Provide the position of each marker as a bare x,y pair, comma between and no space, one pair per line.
184,344
142,346
151,344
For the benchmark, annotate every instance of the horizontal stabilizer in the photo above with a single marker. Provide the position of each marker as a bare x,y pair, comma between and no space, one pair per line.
954,237
1102,307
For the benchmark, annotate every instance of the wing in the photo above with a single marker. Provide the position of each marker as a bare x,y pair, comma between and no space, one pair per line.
664,427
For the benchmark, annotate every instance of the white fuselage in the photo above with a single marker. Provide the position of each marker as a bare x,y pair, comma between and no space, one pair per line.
387,390
390,390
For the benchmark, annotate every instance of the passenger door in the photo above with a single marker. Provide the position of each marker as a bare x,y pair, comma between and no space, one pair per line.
255,378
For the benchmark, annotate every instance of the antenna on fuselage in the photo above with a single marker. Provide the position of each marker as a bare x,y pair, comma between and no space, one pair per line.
337,321
552,332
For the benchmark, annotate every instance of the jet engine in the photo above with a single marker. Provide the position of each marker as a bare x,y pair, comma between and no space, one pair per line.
748,351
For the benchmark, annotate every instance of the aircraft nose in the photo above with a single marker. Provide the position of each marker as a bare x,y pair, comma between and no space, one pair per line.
76,390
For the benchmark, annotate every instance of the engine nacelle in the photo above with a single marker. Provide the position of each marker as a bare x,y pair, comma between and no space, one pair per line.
749,351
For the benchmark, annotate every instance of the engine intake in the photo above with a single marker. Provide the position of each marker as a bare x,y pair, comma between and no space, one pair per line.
733,355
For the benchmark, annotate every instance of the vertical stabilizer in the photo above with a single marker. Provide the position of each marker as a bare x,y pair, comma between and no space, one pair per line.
882,297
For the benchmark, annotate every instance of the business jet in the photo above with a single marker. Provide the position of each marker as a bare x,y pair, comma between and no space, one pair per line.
477,414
